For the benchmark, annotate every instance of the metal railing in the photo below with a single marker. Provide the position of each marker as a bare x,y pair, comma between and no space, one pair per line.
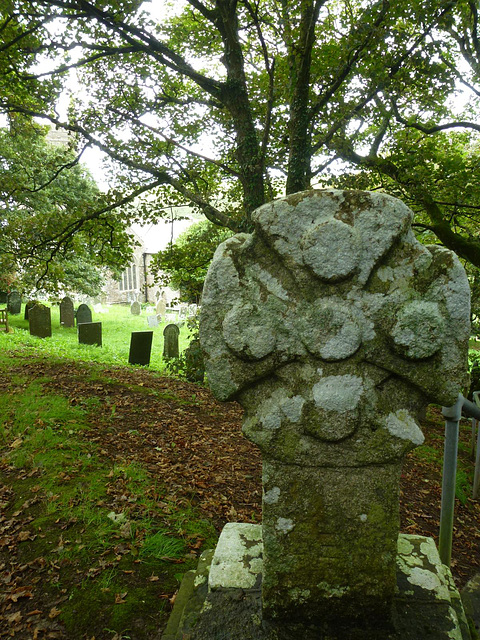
452,417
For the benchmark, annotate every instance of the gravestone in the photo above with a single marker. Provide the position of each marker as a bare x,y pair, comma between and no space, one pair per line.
194,362
162,305
3,297
90,333
40,322
333,327
67,312
152,321
14,303
135,308
170,341
29,305
83,314
140,347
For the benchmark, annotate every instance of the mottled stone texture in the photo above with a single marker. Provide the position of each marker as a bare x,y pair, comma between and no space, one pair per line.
40,323
333,327
67,312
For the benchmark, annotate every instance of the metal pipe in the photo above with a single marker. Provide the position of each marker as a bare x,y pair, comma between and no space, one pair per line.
452,415
476,478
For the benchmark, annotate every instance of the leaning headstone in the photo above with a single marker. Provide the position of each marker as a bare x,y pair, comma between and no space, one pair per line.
83,314
14,303
29,305
194,362
135,308
40,322
334,328
170,341
140,347
67,312
90,333
3,297
152,321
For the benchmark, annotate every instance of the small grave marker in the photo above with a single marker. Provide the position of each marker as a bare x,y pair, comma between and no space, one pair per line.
140,347
135,308
40,321
152,321
90,333
14,303
170,344
29,305
67,312
84,314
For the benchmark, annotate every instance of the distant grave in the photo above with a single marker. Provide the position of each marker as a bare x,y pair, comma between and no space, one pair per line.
135,308
14,303
84,314
90,333
29,305
170,341
140,347
67,312
40,321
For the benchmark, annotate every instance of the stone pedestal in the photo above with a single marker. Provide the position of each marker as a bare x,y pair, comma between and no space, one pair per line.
222,599
330,539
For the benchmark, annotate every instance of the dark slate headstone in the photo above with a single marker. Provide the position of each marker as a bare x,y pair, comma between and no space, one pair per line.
29,305
90,333
67,312
3,297
140,347
40,321
170,344
84,314
135,308
14,303
194,362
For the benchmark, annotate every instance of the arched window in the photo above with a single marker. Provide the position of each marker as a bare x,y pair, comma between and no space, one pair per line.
129,278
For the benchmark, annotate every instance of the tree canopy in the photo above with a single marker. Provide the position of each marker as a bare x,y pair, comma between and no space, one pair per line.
47,241
229,103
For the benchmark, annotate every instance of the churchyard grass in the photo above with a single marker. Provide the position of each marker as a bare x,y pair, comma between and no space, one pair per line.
117,325
102,528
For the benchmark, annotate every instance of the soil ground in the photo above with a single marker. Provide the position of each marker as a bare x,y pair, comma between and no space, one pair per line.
193,446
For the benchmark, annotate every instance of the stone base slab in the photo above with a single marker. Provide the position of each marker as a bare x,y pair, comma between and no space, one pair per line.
221,600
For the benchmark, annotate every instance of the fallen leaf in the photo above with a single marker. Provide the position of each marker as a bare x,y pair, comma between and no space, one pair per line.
154,578
54,612
120,597
14,617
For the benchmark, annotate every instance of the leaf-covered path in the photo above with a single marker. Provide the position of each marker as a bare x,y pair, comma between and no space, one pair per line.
194,456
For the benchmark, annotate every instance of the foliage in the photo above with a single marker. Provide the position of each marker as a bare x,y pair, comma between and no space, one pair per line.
227,104
49,240
184,264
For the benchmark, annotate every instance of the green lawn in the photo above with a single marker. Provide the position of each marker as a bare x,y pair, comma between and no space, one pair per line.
117,325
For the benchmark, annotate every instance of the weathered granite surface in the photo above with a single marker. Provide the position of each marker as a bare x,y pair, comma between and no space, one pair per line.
334,328
222,599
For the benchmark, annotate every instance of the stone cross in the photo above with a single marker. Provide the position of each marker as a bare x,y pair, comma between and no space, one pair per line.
334,328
